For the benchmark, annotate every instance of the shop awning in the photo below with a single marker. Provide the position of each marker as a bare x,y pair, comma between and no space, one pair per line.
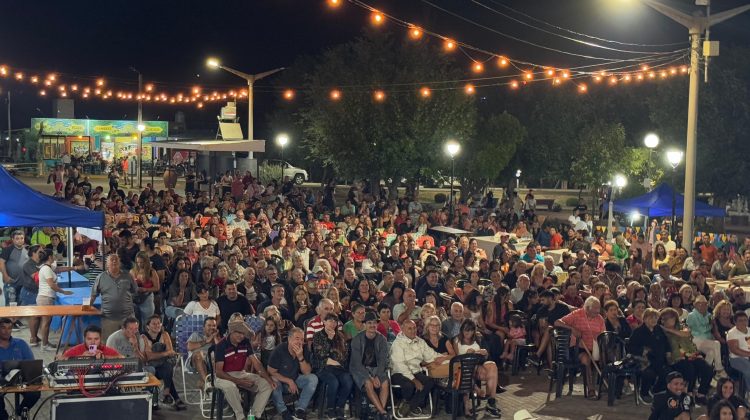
215,145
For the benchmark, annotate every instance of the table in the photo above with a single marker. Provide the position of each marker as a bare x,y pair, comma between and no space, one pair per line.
450,231
71,314
79,294
487,243
77,279
720,285
556,254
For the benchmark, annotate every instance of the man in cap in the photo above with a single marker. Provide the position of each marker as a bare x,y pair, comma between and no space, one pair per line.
233,358
673,403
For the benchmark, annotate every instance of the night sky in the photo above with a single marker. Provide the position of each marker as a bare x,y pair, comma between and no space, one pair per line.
169,41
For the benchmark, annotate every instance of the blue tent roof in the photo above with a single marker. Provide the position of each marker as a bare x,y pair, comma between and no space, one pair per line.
20,205
658,203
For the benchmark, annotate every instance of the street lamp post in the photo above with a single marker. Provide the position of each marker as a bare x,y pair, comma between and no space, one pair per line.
696,25
619,182
452,148
282,140
651,141
140,131
674,157
250,79
518,178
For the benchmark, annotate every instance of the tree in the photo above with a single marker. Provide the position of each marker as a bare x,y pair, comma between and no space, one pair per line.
361,137
488,152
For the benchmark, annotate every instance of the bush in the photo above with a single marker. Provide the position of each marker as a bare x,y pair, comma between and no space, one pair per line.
269,172
441,198
571,202
556,207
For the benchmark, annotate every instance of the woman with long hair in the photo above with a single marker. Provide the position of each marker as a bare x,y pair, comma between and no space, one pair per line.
159,355
180,293
660,256
147,280
725,391
684,356
467,342
302,307
330,358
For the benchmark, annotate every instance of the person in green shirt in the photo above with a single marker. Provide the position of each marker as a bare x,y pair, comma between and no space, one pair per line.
685,356
357,324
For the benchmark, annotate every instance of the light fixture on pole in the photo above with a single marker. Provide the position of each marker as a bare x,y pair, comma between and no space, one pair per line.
619,183
651,141
250,79
282,140
674,157
140,124
696,23
451,148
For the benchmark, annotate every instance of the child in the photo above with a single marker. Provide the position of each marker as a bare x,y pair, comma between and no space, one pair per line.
516,336
267,340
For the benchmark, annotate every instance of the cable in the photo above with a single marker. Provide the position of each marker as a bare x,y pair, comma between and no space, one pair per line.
587,43
581,33
465,19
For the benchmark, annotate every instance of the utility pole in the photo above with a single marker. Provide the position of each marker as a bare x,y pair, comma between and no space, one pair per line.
696,24
140,132
10,131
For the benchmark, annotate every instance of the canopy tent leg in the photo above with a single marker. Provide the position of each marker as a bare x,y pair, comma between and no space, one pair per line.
70,255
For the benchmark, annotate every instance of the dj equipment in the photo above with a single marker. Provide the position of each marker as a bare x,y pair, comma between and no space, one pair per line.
96,372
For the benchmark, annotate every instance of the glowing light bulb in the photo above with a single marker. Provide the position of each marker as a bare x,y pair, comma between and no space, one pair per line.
377,18
415,32
3,71
502,61
334,3
672,70
550,72
200,104
149,87
42,92
514,84
684,69
639,76
528,75
627,78
565,74
379,96
469,89
196,90
335,94
52,77
100,82
449,45
19,76
477,67
582,88
425,92
613,80
34,79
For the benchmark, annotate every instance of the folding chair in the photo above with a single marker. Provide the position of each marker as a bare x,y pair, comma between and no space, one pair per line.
185,326
522,351
611,355
565,362
461,379
391,386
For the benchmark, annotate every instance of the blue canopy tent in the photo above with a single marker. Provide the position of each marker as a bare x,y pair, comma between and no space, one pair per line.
658,203
21,205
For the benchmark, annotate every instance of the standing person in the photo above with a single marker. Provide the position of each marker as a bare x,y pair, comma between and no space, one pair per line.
292,373
116,288
330,359
368,365
15,349
30,289
233,358
48,289
12,260
148,283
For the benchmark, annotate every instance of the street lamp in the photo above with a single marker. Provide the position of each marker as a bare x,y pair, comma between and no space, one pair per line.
696,24
451,148
651,141
282,140
251,79
674,157
619,183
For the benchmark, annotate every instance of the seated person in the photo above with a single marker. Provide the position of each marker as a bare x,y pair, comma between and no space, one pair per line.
292,373
91,347
739,351
315,324
127,341
330,356
673,403
585,324
15,349
468,342
409,354
649,341
198,344
233,359
725,391
368,364
159,352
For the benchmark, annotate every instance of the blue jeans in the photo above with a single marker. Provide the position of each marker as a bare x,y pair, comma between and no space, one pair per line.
27,298
339,383
305,383
145,310
743,365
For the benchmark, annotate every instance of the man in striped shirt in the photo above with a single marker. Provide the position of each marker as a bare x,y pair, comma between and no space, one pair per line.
315,324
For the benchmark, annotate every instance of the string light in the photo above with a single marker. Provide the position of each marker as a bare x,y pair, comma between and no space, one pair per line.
550,72
469,89
335,94
334,3
528,75
627,78
42,92
582,88
415,32
514,84
477,67
684,69
377,18
52,77
673,71
379,96
34,79
565,74
149,87
288,94
613,80
425,92
639,76
3,71
502,61
19,76
100,82
449,45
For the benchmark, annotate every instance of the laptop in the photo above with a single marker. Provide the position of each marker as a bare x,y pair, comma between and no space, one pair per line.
31,370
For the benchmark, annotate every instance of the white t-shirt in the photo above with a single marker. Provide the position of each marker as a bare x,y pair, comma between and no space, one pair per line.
46,272
195,308
735,334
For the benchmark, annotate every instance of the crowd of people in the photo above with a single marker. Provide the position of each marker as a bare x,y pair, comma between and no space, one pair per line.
360,295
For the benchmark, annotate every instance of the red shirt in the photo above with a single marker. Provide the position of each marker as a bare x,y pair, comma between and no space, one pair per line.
80,349
556,241
590,328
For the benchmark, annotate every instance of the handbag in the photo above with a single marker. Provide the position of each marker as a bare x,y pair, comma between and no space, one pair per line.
440,371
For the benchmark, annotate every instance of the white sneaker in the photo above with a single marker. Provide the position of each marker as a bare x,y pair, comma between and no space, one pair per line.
49,347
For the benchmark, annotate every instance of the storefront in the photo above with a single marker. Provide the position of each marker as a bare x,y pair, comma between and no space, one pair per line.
108,139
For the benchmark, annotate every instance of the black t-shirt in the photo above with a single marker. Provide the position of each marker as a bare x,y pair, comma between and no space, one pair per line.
667,406
369,357
552,315
228,307
283,361
441,347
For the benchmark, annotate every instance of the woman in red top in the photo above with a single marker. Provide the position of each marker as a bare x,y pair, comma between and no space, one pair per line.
92,346
386,326
147,280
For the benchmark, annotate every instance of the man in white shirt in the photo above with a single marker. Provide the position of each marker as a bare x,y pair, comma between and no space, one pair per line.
303,252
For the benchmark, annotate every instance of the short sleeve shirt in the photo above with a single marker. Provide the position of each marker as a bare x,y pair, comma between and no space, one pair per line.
735,334
283,361
590,328
234,357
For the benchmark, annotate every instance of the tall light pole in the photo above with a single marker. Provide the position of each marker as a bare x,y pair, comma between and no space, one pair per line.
619,183
140,124
452,148
696,25
282,140
518,179
674,157
251,79
651,141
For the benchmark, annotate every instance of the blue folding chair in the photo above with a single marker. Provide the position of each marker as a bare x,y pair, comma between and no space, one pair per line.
185,326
